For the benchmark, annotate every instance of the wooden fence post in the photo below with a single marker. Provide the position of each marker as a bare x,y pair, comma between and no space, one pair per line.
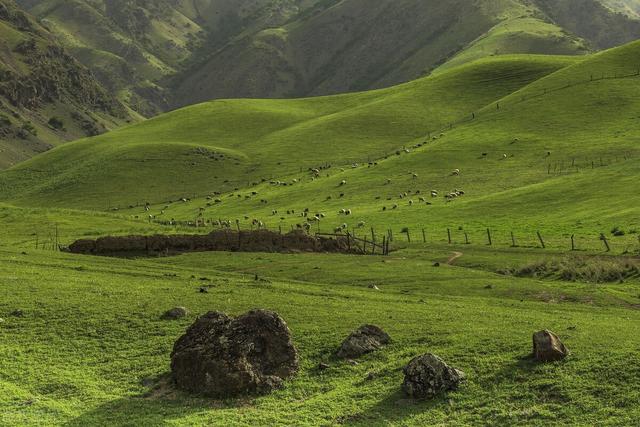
408,236
605,241
384,245
348,241
449,235
489,236
466,238
373,235
541,240
573,242
513,240
424,236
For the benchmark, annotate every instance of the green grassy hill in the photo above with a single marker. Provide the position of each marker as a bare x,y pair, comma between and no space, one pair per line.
223,145
533,136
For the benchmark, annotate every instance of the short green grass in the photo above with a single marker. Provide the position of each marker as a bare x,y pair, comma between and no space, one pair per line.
90,347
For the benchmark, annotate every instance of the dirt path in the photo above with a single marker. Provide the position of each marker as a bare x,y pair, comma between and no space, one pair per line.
454,257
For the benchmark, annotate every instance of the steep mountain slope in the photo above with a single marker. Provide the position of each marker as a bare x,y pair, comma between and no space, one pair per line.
46,96
357,45
130,46
628,7
159,54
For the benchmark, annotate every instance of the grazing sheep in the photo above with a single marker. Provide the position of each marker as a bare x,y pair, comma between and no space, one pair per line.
395,206
456,172
361,224
388,181
422,199
410,202
343,183
347,212
414,175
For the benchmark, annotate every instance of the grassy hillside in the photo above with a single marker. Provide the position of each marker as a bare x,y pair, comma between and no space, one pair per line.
89,348
46,96
533,136
223,145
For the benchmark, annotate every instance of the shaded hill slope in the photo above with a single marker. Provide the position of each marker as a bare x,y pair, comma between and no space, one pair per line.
46,96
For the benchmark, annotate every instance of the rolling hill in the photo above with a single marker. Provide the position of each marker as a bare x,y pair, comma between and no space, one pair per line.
533,136
46,96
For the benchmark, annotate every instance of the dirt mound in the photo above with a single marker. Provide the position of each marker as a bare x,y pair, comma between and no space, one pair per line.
223,357
225,240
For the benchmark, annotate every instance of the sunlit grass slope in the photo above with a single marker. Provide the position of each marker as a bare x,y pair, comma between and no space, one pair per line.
559,155
223,145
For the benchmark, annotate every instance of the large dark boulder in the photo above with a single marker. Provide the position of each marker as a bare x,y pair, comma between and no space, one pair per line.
223,357
547,347
427,376
365,339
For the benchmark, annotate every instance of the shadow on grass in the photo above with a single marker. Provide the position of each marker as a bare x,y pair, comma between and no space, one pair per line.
394,409
159,405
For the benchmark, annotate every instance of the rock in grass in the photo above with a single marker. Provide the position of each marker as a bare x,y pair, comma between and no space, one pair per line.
223,357
427,376
175,313
365,339
547,347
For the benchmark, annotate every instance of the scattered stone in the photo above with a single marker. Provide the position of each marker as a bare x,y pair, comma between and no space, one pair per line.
17,313
547,347
365,339
437,264
374,287
489,287
371,376
223,357
352,362
427,376
175,313
323,366
204,290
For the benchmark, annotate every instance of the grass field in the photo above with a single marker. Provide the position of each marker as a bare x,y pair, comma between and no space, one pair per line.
543,144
